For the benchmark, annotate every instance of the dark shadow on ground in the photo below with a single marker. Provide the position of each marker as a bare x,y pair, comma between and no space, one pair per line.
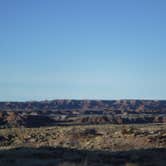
49,156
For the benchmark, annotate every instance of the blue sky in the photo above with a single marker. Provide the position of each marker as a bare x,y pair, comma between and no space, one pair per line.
82,49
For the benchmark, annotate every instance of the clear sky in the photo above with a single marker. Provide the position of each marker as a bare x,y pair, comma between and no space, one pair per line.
82,49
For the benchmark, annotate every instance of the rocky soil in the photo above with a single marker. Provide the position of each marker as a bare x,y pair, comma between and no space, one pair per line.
92,137
96,145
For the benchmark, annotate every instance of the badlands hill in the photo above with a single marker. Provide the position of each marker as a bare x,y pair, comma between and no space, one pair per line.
71,112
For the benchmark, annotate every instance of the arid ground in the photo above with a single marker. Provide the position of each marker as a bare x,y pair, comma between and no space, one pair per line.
84,145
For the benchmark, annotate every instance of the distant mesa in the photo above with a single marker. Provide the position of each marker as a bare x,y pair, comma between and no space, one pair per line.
70,112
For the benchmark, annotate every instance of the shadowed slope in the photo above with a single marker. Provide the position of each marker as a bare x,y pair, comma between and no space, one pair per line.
49,156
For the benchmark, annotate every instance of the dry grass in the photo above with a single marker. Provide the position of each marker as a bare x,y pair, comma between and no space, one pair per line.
93,137
94,142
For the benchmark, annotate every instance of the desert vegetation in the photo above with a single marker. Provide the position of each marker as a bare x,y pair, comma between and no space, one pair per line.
89,137
84,145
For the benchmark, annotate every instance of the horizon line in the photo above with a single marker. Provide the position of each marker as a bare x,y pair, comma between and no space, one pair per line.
85,99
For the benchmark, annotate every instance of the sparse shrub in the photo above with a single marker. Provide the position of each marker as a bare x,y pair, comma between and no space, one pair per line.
129,130
131,164
89,132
